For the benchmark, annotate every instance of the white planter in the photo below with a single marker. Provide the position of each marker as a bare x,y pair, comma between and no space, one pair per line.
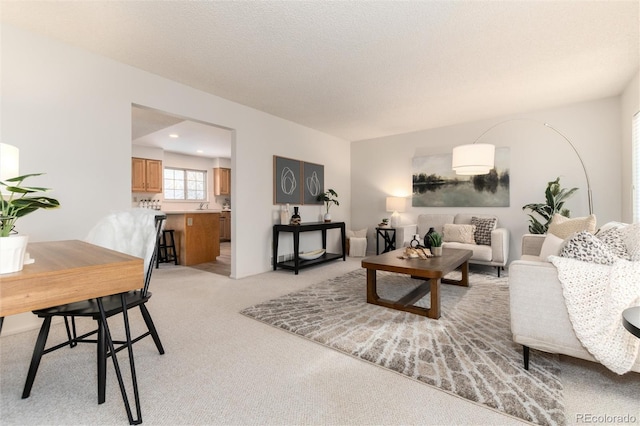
327,217
12,250
436,251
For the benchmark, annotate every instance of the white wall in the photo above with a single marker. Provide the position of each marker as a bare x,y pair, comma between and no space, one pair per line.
382,167
630,102
69,112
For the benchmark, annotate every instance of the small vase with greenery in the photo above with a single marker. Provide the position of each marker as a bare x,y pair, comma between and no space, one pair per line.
328,197
555,197
436,243
17,201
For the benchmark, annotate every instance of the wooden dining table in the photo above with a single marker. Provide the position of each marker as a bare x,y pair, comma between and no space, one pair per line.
72,271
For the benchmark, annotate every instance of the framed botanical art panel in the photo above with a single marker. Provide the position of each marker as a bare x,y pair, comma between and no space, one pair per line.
435,184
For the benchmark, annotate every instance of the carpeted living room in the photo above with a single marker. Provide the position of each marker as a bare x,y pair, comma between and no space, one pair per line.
223,367
373,100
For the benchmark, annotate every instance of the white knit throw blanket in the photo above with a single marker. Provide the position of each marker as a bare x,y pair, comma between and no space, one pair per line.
595,296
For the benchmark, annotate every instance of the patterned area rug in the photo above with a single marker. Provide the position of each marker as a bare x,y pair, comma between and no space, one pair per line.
468,351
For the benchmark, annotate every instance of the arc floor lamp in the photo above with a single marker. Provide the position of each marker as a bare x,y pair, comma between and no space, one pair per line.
478,158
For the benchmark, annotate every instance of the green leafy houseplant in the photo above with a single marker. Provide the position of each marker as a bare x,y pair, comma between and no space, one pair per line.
435,239
329,197
20,201
555,197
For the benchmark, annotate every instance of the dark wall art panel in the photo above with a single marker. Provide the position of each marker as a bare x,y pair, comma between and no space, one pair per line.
313,175
287,180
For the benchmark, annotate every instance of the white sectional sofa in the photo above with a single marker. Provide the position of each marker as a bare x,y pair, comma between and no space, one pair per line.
496,254
539,316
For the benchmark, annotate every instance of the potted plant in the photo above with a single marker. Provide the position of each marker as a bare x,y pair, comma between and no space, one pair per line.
328,197
17,201
555,198
436,243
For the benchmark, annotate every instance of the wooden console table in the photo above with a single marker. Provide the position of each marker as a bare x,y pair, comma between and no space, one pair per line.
296,264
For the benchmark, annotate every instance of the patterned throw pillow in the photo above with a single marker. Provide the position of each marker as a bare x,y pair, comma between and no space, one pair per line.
586,247
613,239
484,226
459,233
631,238
564,227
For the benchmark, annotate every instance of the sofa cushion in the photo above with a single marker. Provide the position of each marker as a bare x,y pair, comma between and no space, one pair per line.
564,227
586,247
459,233
484,226
480,252
435,221
551,246
631,237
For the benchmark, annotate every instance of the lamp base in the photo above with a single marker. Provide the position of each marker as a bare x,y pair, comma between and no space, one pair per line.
395,220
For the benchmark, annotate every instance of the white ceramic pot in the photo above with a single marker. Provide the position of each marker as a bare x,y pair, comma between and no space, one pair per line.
327,217
437,251
12,250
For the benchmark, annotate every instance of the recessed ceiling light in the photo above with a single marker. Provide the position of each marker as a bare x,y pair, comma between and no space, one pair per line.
200,151
174,135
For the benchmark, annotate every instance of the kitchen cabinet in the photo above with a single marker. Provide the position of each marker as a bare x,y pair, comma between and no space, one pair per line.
146,175
225,226
197,236
222,181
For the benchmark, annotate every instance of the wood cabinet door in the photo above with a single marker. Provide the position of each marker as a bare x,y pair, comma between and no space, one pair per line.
222,181
225,226
138,175
154,175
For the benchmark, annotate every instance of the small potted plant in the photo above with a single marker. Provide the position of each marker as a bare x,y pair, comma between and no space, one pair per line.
17,201
328,197
436,244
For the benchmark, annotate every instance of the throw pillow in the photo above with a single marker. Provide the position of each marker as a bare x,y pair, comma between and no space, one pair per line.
484,226
631,238
613,239
564,227
586,247
459,233
551,247
357,234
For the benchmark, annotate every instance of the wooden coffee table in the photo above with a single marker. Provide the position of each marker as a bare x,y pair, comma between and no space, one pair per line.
432,270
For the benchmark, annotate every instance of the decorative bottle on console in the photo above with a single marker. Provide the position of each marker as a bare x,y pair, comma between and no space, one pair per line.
295,218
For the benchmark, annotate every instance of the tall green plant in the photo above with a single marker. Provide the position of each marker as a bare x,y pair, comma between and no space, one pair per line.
20,201
555,197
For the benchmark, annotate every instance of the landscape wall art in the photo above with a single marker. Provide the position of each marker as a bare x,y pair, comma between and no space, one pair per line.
435,184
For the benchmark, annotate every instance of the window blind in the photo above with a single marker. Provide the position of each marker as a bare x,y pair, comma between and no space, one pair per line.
635,166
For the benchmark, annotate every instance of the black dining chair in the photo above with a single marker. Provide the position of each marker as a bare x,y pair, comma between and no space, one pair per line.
135,232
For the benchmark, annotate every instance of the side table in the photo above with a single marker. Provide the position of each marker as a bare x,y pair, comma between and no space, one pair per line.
631,320
388,236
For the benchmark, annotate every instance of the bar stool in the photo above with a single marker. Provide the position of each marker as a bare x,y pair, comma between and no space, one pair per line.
166,248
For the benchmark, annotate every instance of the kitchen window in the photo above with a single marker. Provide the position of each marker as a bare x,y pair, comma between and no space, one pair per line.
185,184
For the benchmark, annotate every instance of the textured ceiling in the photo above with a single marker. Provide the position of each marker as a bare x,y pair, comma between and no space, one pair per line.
359,69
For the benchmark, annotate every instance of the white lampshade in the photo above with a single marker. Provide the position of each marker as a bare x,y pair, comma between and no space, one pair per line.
473,159
395,204
9,161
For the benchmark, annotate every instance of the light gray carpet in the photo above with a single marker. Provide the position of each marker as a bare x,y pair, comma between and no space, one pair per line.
467,352
223,368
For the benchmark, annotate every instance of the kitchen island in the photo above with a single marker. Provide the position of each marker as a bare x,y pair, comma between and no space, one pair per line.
197,235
